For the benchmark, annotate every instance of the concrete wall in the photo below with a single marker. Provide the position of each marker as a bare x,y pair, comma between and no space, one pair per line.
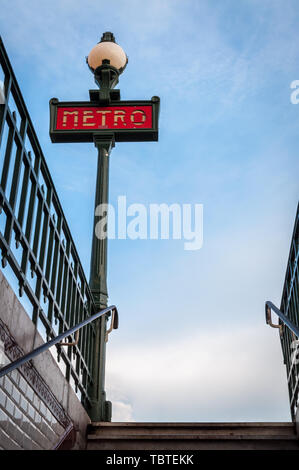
25,334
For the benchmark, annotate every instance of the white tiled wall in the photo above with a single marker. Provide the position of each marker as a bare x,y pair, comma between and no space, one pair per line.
25,421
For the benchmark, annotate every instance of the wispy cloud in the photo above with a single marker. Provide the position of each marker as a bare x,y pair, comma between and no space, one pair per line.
203,376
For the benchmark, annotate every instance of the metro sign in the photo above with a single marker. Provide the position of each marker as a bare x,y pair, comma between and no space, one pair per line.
130,121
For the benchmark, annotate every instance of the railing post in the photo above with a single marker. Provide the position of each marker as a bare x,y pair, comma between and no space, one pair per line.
100,408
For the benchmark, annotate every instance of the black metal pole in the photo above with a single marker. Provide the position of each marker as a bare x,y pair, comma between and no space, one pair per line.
100,408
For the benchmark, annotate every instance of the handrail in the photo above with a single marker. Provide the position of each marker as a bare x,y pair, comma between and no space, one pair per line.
270,306
44,347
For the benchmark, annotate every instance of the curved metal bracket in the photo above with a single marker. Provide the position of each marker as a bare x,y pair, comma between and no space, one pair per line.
269,319
269,306
73,343
113,324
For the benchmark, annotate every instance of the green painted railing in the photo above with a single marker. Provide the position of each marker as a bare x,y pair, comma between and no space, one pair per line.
290,307
289,319
36,242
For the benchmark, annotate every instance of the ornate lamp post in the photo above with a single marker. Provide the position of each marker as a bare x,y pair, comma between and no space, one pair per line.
103,120
107,61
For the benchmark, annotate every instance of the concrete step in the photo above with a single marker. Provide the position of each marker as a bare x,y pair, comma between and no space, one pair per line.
192,436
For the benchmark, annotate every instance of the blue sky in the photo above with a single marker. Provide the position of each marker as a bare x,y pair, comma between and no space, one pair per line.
192,343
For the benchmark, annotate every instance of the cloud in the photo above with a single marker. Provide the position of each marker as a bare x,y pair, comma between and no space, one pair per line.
203,375
121,409
121,412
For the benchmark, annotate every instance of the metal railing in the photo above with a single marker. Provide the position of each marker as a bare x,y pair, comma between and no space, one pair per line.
289,315
285,320
58,339
35,239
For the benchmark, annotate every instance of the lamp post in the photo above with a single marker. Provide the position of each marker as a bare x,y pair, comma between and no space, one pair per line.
106,60
103,120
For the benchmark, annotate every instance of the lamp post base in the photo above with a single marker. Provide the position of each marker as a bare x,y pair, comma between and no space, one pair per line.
101,410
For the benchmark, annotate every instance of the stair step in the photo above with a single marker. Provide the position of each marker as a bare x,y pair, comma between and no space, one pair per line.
167,436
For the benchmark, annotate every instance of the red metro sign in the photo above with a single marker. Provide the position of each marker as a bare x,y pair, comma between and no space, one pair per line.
128,120
116,117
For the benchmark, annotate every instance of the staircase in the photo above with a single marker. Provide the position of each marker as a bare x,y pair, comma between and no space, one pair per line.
192,436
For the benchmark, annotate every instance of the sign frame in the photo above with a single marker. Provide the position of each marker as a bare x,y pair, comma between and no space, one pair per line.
87,135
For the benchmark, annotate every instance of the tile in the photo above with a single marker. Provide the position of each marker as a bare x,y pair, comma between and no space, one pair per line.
7,443
27,442
2,398
18,416
43,409
8,385
35,446
16,396
47,431
10,407
30,412
49,416
3,420
46,445
44,427
36,401
25,425
37,419
39,439
23,385
24,404
15,377
57,428
14,432
29,393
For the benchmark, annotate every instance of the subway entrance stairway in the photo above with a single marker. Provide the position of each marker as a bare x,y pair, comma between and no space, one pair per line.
192,436
56,399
